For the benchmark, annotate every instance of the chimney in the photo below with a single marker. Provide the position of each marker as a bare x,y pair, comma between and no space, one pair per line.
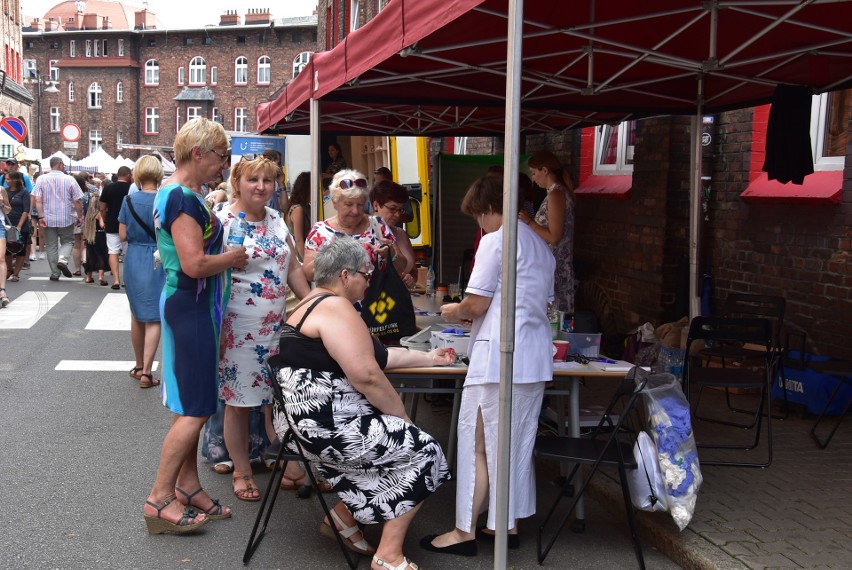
37,25
145,20
90,22
230,18
51,25
258,16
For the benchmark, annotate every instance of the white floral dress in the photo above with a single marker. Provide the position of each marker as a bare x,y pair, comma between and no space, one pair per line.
562,251
255,312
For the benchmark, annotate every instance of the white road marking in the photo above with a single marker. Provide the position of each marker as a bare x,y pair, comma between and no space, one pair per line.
25,311
38,278
100,365
113,314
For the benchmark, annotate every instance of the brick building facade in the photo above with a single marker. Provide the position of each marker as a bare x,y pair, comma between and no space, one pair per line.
136,84
15,101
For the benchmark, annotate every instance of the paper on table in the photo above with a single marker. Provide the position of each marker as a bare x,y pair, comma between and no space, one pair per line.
617,366
567,365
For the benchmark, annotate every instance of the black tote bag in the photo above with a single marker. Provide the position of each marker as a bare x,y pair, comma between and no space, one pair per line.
387,307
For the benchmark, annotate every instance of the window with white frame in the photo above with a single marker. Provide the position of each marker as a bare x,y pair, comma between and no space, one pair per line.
355,8
95,96
97,48
192,113
197,71
88,48
30,70
614,147
152,120
300,61
214,75
241,71
119,140
71,93
264,70
119,92
241,119
72,48
177,119
95,140
54,119
214,115
105,48
181,75
829,129
120,48
54,71
152,72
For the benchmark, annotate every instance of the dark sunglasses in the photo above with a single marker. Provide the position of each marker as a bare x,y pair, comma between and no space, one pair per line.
346,183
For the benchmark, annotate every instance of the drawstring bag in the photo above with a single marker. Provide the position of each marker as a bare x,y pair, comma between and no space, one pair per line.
647,486
387,307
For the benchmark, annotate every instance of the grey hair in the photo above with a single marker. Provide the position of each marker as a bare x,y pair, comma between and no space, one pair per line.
354,192
338,254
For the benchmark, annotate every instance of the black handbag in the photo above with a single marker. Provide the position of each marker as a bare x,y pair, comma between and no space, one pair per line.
387,307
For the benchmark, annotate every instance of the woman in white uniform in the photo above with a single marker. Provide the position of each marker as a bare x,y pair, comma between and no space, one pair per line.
533,367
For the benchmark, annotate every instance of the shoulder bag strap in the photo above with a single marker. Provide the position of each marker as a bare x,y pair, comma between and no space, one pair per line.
138,219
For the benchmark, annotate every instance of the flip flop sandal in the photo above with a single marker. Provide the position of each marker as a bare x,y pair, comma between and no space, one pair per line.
245,494
135,372
149,383
14,278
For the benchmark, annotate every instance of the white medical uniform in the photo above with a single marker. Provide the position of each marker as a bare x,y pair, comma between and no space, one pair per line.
533,366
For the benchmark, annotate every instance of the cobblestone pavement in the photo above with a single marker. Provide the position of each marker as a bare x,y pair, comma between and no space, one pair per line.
794,514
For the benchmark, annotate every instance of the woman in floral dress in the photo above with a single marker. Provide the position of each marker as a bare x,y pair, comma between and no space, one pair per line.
255,312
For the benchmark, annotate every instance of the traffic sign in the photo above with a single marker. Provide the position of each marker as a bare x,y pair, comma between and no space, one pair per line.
15,128
71,132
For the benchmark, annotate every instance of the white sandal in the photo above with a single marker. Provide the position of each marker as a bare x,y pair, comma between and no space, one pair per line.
361,547
406,563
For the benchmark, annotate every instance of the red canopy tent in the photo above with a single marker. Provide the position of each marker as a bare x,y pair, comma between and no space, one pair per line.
439,66
485,67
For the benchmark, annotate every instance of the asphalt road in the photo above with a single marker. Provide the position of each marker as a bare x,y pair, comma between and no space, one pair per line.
81,449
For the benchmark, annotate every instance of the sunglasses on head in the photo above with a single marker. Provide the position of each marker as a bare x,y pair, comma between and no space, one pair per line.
250,156
346,183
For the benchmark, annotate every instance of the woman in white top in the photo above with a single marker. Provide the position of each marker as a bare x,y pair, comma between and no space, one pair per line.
533,367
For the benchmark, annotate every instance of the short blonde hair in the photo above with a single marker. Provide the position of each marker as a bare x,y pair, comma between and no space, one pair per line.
147,169
353,191
249,167
199,132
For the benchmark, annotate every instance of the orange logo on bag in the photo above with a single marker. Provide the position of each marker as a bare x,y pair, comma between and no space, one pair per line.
380,308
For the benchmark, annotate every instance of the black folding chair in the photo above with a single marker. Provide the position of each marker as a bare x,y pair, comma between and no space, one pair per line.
842,369
719,333
268,502
603,447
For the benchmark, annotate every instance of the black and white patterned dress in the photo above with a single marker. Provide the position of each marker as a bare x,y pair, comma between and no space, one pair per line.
380,466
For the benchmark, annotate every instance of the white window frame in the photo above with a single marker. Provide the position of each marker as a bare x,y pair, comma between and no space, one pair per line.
241,70
300,61
214,75
95,96
193,113
241,119
53,70
120,48
177,119
119,92
72,48
105,48
819,116
624,152
71,93
152,72
197,71
119,140
264,70
30,70
213,113
96,140
55,123
181,75
88,48
152,121
354,11
97,48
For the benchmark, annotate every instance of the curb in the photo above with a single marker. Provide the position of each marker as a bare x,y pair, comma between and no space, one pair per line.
657,530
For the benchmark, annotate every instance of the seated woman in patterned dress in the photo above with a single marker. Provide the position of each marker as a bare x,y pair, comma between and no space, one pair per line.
349,419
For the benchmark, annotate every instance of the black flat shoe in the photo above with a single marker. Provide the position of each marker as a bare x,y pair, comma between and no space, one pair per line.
513,541
466,548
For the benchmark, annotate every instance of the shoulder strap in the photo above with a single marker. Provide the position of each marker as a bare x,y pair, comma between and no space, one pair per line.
316,302
133,213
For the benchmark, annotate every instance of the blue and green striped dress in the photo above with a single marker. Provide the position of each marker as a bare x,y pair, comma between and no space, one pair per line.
191,309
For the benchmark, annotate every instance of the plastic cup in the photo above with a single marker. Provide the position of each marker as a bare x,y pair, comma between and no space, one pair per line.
561,347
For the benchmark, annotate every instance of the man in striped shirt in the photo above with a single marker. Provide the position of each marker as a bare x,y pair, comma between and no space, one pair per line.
59,204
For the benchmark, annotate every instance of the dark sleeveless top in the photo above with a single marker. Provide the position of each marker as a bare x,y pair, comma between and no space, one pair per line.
296,350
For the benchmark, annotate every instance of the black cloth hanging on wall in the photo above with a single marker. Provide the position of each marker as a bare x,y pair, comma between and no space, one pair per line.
789,157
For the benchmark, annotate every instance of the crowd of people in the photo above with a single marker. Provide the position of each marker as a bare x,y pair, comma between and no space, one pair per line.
284,308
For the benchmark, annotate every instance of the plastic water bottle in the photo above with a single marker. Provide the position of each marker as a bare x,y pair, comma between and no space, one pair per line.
430,282
237,234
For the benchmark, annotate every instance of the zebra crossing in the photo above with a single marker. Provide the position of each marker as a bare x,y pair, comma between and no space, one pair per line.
113,313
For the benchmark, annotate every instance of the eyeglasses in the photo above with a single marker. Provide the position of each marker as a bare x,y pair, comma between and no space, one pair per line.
346,183
251,156
222,157
367,274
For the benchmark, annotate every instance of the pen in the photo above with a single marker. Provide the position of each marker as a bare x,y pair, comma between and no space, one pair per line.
605,360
